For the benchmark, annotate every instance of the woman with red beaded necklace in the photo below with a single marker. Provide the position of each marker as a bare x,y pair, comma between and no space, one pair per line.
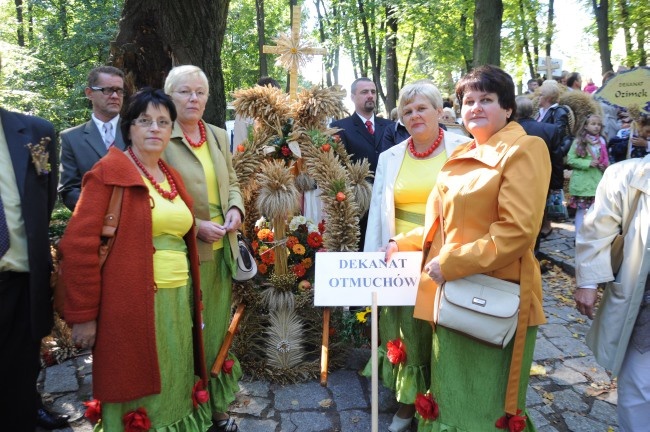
406,174
200,152
140,313
483,217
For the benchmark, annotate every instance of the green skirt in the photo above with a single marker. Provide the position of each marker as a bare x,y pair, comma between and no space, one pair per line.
171,410
469,380
216,285
411,377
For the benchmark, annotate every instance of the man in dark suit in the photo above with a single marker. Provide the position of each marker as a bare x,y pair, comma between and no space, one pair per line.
27,197
552,136
82,146
362,132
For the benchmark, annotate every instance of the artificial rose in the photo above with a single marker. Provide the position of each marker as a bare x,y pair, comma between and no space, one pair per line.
199,394
321,226
514,423
426,406
314,240
396,351
93,410
227,366
286,151
136,421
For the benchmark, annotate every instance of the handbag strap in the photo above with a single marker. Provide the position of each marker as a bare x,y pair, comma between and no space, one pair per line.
111,221
525,299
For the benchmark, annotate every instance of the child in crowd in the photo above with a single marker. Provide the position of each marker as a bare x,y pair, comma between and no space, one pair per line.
588,158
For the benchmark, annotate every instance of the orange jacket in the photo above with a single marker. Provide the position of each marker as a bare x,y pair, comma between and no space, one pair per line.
121,297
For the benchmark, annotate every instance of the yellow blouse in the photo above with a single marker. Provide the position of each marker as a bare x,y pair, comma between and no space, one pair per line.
414,182
216,215
170,221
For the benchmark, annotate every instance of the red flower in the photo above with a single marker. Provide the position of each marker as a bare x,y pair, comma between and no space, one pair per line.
93,410
136,421
262,268
292,241
227,366
321,226
514,423
255,245
396,351
426,406
314,240
285,150
299,270
199,394
268,257
340,196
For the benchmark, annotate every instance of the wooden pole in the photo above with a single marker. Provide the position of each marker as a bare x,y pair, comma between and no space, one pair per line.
374,341
324,349
227,341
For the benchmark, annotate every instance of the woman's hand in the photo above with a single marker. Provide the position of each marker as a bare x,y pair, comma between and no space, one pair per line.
83,335
210,232
232,220
390,249
432,268
637,141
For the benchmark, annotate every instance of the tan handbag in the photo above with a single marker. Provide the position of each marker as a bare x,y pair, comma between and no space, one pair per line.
479,306
111,220
618,243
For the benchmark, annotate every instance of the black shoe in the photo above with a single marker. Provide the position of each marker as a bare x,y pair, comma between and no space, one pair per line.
49,420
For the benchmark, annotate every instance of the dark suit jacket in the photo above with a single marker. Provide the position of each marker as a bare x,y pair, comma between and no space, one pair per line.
358,141
559,116
37,197
81,147
550,133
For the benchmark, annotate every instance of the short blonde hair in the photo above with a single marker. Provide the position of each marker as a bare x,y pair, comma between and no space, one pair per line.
180,73
550,89
422,87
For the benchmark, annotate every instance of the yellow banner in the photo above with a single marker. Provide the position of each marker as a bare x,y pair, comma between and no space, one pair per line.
628,88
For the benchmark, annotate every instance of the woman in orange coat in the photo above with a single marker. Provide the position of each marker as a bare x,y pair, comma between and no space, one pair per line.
492,193
141,312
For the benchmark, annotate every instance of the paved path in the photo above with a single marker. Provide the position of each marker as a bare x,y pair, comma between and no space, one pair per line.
568,391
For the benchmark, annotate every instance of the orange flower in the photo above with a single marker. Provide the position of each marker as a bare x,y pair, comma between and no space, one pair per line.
268,257
307,263
262,268
264,234
299,270
298,249
292,241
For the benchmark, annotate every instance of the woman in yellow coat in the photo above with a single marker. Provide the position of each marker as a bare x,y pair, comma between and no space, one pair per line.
492,193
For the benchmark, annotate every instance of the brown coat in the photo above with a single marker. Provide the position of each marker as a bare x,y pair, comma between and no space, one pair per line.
121,297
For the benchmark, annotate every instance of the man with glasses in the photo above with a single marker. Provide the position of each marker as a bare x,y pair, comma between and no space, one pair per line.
82,146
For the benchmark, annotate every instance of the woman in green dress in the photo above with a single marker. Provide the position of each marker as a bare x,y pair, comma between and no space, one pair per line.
406,174
489,200
140,312
200,152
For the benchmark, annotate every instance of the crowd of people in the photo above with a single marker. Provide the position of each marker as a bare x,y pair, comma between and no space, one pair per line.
471,197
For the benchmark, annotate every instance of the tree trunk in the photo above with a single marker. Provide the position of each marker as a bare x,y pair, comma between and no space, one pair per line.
155,36
625,24
392,74
261,39
525,42
488,18
465,40
601,11
549,30
20,29
373,52
640,40
408,57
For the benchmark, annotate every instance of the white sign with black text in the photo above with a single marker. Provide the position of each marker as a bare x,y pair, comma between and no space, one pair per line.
350,278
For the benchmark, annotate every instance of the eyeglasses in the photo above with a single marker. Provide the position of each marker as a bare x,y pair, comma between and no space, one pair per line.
108,91
186,94
147,123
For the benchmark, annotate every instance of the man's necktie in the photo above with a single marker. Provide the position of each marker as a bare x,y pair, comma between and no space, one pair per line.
369,127
4,231
109,137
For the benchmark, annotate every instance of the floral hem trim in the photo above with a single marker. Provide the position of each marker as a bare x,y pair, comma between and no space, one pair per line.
198,420
223,388
403,379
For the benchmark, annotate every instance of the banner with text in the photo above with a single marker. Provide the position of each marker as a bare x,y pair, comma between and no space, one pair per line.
350,278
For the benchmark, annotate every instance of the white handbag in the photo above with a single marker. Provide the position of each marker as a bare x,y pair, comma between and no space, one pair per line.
246,265
479,306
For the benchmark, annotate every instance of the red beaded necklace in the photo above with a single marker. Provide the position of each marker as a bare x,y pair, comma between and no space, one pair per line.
427,152
170,194
201,141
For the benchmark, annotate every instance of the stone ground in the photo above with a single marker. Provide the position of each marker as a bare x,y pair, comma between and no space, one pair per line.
568,390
